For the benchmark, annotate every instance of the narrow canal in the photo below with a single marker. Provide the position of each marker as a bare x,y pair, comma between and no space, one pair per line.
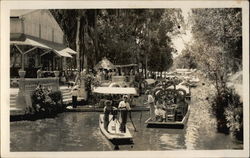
79,131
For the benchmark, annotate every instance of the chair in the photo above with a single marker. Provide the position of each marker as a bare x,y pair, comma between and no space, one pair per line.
170,113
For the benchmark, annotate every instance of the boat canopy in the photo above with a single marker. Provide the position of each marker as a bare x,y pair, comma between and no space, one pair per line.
115,90
128,65
104,64
150,81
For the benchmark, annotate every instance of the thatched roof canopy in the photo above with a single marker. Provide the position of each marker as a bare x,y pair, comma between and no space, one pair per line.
104,64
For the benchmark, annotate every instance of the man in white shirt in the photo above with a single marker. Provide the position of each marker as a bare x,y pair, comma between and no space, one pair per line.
74,93
151,103
124,107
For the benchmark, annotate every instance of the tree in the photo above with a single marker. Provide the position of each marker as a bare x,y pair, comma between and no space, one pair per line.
161,34
123,35
186,59
217,42
217,48
221,28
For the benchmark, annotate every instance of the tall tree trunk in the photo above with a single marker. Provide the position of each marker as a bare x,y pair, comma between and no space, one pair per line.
148,51
78,43
85,61
146,67
96,39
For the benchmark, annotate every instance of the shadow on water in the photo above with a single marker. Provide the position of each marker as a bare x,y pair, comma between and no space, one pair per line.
124,142
80,132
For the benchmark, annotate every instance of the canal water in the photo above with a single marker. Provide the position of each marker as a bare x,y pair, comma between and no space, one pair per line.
79,131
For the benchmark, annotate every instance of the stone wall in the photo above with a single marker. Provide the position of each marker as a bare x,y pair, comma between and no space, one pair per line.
28,85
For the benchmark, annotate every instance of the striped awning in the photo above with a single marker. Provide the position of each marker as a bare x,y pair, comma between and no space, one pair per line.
58,49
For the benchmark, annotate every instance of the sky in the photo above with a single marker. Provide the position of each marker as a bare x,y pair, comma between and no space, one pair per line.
185,37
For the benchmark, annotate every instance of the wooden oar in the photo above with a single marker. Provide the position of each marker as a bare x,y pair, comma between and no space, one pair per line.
140,116
132,121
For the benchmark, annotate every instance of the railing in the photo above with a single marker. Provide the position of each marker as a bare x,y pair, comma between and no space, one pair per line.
28,85
123,78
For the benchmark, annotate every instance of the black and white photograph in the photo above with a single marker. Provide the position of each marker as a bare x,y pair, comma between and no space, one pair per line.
125,78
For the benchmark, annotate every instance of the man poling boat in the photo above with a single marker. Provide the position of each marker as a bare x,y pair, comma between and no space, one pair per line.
109,123
108,110
125,109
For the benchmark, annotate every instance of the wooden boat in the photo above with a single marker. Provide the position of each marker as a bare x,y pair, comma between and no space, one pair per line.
113,128
169,124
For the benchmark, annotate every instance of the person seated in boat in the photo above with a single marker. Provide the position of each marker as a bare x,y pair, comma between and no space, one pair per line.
124,108
160,113
170,103
108,110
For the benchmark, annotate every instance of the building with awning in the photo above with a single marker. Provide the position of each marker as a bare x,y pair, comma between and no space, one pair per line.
36,41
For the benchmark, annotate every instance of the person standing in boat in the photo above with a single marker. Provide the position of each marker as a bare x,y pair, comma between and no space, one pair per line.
108,109
74,93
124,108
150,102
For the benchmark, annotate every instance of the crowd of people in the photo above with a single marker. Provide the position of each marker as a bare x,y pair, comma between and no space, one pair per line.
165,109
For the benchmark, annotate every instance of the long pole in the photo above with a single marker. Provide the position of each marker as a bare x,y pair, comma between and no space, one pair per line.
132,121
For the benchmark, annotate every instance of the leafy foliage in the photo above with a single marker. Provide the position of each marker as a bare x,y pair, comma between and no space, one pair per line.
218,37
123,35
228,110
217,48
234,116
185,60
45,101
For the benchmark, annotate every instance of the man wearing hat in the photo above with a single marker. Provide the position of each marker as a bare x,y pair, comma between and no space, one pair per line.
107,110
124,108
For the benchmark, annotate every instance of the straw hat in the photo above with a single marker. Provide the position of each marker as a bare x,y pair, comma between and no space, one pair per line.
108,103
125,96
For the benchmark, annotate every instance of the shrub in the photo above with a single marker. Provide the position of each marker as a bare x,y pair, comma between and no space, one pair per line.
234,117
219,103
56,96
44,101
228,110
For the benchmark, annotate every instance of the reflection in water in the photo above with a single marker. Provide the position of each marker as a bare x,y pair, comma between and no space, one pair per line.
78,131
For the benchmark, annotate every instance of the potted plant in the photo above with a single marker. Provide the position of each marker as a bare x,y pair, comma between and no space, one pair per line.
21,73
56,73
